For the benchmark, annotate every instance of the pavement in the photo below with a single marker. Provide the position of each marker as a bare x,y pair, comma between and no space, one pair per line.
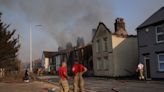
95,84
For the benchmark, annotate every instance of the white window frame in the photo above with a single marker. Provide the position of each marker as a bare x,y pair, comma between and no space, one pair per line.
157,34
159,62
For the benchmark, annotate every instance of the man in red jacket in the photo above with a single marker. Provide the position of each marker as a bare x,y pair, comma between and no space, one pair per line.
78,70
64,87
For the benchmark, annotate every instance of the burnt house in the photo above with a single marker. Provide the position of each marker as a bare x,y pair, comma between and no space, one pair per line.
48,60
58,59
84,56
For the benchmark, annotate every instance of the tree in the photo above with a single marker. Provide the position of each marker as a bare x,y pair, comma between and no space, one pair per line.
9,46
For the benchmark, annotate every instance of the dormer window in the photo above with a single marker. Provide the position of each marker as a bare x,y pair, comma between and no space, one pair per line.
159,34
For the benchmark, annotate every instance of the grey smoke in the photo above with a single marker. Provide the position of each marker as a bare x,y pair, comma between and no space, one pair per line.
63,20
66,19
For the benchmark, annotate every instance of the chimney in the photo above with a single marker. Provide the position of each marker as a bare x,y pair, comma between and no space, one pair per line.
93,31
60,49
120,30
80,42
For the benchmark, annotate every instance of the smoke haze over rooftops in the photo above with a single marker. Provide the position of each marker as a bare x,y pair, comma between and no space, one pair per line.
64,20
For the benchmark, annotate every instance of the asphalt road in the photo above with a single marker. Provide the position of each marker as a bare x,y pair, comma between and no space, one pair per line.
35,86
93,84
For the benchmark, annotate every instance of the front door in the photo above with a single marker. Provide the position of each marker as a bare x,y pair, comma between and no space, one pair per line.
147,68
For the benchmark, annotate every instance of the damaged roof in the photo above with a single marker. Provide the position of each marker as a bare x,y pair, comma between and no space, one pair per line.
49,53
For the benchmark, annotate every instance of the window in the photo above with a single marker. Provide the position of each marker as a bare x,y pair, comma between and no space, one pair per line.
106,63
161,62
101,64
105,43
159,34
98,46
98,68
98,63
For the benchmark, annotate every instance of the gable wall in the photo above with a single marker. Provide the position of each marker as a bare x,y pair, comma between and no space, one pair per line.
102,66
124,55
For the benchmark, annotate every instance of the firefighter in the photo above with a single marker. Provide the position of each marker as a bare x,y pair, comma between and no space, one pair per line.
78,70
64,87
140,69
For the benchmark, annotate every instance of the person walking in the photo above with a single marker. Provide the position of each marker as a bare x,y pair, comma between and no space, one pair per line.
78,70
140,69
26,76
63,83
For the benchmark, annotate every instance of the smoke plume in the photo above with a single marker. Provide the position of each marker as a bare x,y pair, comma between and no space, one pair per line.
63,20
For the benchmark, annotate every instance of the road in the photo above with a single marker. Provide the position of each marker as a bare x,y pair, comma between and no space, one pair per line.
35,86
94,84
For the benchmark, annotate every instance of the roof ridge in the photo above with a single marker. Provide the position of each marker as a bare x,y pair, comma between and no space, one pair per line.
154,18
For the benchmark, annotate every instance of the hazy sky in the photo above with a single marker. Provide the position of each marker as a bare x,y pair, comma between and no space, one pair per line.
64,20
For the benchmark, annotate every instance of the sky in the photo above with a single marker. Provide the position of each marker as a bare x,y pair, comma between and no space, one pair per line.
63,21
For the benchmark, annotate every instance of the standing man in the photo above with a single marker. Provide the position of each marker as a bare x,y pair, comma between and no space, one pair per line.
64,87
140,69
78,70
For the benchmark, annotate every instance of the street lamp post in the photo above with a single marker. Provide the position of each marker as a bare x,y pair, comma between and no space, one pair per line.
31,64
31,70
